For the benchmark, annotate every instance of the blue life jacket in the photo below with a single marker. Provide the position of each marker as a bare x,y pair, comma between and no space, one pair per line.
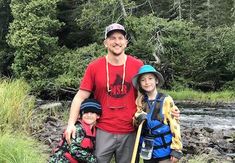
155,128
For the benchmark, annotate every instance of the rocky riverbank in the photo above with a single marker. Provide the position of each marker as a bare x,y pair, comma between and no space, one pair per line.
219,146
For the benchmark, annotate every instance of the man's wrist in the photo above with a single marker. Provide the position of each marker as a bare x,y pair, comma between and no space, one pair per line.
71,123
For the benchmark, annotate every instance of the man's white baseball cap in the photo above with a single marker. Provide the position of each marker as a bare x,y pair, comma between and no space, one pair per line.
114,27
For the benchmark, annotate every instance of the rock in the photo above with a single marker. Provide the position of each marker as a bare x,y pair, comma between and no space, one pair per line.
230,140
51,105
210,130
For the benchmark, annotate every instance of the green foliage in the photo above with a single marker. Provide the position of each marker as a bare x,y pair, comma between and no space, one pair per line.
17,148
143,30
189,94
185,51
172,42
6,59
31,35
198,57
74,64
214,56
230,85
71,33
96,15
212,13
16,106
6,54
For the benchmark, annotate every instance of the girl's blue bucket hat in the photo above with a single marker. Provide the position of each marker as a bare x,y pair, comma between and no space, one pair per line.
147,69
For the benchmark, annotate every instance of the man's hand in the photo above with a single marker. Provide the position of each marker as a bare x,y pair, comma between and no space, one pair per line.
71,130
176,113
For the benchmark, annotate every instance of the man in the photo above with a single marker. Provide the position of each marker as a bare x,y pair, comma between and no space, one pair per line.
109,78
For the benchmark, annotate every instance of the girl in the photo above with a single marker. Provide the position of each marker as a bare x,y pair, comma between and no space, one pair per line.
160,126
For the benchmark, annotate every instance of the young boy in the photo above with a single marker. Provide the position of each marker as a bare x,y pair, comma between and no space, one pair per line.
160,126
82,146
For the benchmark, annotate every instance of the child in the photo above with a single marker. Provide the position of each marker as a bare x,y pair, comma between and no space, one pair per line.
82,146
160,126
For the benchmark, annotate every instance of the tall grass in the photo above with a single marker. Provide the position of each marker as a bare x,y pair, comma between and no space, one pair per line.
213,97
16,148
15,105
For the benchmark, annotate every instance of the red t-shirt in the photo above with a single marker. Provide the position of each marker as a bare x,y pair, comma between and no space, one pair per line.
118,107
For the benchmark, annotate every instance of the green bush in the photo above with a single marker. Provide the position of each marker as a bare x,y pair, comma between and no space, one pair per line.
6,59
31,34
72,65
230,85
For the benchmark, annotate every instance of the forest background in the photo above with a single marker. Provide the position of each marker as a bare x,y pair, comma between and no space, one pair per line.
49,43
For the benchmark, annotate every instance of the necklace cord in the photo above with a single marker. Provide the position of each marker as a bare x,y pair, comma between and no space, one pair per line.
123,73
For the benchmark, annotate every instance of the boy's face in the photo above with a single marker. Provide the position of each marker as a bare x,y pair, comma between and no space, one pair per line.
90,118
148,82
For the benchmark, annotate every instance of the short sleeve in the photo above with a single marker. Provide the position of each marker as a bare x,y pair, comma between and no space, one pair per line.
87,82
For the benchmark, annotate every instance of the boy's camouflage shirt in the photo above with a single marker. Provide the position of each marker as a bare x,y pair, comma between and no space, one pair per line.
82,155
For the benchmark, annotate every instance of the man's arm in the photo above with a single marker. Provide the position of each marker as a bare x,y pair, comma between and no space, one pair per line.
80,96
176,113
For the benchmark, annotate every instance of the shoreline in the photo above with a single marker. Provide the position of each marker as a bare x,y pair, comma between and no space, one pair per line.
195,103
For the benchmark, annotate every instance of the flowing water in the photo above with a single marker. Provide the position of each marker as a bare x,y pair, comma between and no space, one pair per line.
216,118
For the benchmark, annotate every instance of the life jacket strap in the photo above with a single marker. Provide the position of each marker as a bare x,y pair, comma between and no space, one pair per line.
157,127
88,141
162,146
90,137
162,134
162,158
156,115
156,135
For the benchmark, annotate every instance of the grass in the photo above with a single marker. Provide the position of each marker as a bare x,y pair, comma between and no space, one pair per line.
15,105
212,97
16,108
17,148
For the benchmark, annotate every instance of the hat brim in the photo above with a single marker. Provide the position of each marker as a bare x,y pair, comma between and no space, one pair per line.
115,30
157,74
92,110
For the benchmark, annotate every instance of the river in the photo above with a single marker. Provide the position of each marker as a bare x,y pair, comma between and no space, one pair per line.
212,117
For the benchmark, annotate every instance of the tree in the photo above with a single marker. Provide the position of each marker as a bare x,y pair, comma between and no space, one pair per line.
6,53
31,34
71,35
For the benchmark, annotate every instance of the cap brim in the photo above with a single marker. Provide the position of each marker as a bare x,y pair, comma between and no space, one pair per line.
115,30
92,110
157,74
